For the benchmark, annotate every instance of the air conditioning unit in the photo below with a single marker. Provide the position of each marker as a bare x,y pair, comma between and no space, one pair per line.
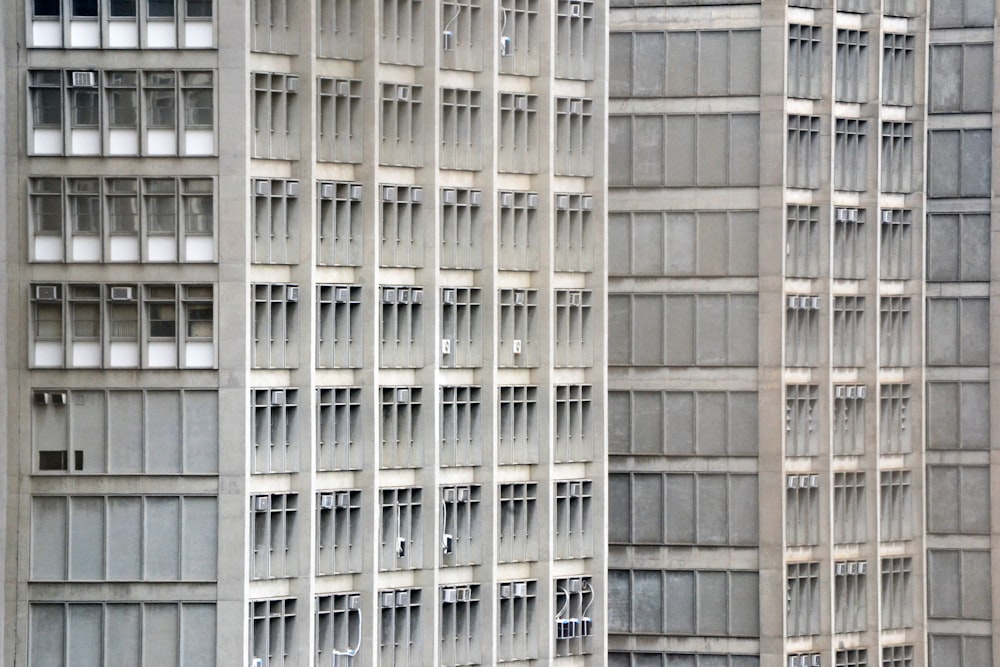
565,628
587,202
402,598
575,298
576,107
447,544
122,294
793,302
388,295
519,297
292,84
815,660
445,346
862,391
262,503
575,9
449,595
46,292
448,196
341,295
388,193
507,199
463,494
277,397
840,215
520,589
257,662
326,501
852,392
532,200
327,191
886,216
515,346
387,599
792,482
354,601
464,594
261,187
475,197
292,293
403,93
521,102
814,303
416,296
862,567
449,296
343,499
586,626
291,188
84,79
403,395
343,88
506,46
447,41
402,295
814,481
448,494
506,591
416,195
839,391
562,202
356,192
575,491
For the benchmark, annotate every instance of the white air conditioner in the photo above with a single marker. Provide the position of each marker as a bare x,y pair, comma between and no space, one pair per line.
862,391
402,295
388,193
507,199
519,297
575,9
403,93
326,501
852,392
356,192
506,591
387,599
84,79
840,215
814,481
445,346
449,595
575,489
839,391
447,544
261,188
792,482
448,494
793,302
506,46
327,191
403,395
448,196
815,660
447,41
575,298
576,107
463,494
343,88
291,188
122,294
840,569
587,202
886,216
416,296
862,567
46,292
521,102
475,197
562,202
388,295
277,397
532,200
515,347
520,589
292,84
574,585
448,296
814,303
292,293
341,295
354,601
257,662
464,594
343,499
402,598
262,503
416,195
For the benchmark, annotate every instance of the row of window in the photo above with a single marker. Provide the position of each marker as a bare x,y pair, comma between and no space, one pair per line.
802,419
125,219
121,24
401,342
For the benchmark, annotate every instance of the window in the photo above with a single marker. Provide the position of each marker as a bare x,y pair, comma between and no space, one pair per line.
275,221
339,119
275,325
461,132
575,39
338,628
801,420
851,147
399,627
573,330
575,598
518,427
275,112
518,538
339,341
272,26
339,27
958,247
520,40
852,66
894,419
848,428
959,163
339,547
804,42
339,428
897,656
897,593
89,24
461,230
573,521
895,338
402,226
273,520
801,510
460,525
517,624
801,330
850,600
850,515
897,157
518,237
802,615
896,244
402,33
272,632
401,327
573,228
955,73
340,223
961,14
849,344
852,657
574,143
119,538
802,241
960,650
88,343
518,328
461,427
517,134
402,122
574,432
275,430
802,166
460,626
150,220
897,69
461,35
401,547
896,505
402,440
178,117
461,327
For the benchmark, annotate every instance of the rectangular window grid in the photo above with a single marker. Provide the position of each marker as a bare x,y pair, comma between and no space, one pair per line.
339,548
275,430
339,340
340,224
339,428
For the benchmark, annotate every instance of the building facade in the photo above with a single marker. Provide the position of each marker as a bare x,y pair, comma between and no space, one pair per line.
800,217
304,322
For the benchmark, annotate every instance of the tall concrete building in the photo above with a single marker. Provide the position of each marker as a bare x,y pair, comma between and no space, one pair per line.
800,298
304,332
